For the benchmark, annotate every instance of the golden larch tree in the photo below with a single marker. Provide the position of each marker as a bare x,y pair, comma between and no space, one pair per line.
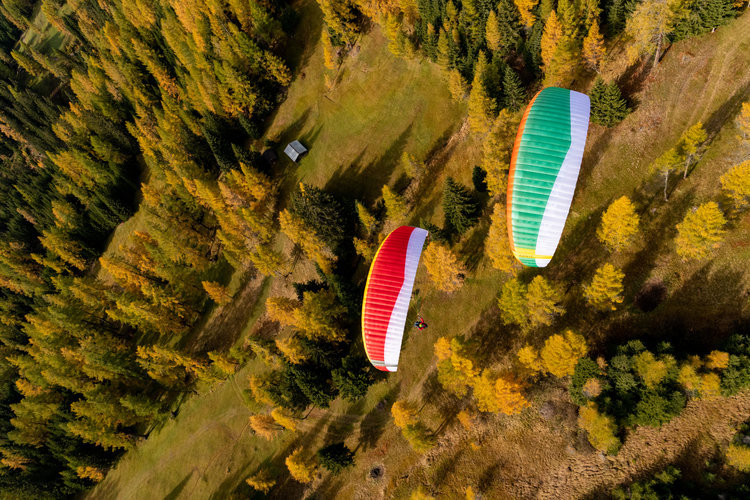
526,8
481,105
497,246
738,456
717,360
735,184
743,121
593,47
443,266
665,165
492,32
553,34
261,481
649,25
284,419
496,150
395,206
561,353
512,304
690,143
619,225
700,232
605,290
542,299
217,292
291,348
600,428
310,243
404,414
653,370
457,85
264,426
529,358
509,396
301,466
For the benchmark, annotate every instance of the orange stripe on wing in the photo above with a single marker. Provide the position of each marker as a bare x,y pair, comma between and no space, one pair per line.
512,171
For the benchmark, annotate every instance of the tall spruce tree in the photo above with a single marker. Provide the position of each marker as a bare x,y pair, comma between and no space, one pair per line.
459,206
608,107
514,93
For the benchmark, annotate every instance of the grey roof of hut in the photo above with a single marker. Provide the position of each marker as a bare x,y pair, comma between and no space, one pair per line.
295,150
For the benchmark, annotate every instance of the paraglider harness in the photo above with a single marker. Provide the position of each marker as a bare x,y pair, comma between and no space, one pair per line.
420,324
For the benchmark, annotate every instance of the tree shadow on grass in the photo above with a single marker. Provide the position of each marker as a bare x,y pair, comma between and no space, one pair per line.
306,35
727,111
593,154
366,183
373,424
177,490
696,318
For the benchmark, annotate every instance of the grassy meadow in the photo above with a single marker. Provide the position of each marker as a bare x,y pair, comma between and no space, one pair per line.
379,106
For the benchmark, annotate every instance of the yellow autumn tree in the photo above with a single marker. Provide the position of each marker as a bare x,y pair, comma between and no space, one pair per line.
542,299
492,32
649,25
690,142
443,266
652,370
259,390
456,369
457,85
529,358
498,393
738,456
282,309
264,426
306,239
301,466
735,184
700,232
481,104
330,55
261,481
509,397
551,37
593,47
497,246
619,225
395,206
710,385
404,414
717,360
217,292
284,419
526,8
600,428
561,353
605,290
496,150
291,348
512,304
743,121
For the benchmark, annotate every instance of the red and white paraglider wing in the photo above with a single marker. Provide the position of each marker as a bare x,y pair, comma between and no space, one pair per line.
388,293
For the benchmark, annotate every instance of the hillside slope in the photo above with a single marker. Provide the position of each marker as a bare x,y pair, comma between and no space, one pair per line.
355,133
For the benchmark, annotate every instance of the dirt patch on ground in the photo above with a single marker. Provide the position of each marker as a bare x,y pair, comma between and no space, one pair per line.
647,449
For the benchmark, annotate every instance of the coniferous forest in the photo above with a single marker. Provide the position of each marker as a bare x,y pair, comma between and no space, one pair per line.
134,196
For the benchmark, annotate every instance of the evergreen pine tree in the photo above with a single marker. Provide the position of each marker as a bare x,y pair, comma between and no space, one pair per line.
336,457
514,93
459,207
608,107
